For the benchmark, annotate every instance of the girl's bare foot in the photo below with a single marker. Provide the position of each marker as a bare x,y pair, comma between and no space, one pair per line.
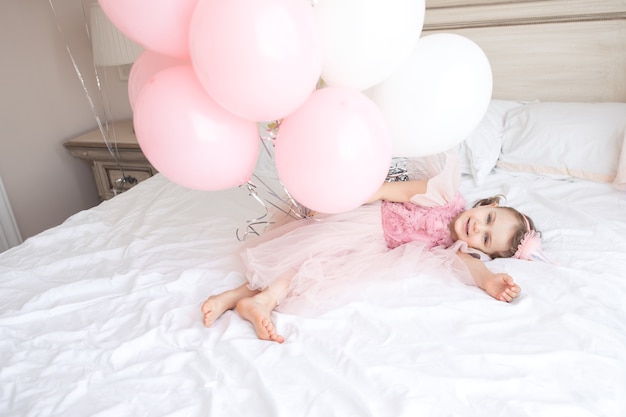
501,287
216,305
257,310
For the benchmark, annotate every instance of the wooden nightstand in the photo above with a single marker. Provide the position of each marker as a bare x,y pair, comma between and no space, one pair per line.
113,175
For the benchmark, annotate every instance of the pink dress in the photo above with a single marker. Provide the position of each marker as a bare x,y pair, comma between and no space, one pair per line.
375,241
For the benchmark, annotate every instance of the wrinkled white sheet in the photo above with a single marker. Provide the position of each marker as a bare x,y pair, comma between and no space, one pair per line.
101,317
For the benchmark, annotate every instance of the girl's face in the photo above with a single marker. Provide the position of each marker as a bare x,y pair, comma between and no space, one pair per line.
486,228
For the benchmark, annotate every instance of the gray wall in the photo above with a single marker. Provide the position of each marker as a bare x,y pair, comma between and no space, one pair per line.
43,104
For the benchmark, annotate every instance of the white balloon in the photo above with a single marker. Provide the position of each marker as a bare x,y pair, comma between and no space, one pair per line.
365,41
437,97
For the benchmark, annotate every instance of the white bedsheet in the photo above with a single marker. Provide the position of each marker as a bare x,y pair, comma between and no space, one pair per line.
101,317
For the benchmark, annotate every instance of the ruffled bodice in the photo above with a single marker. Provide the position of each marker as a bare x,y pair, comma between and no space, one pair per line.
426,218
409,222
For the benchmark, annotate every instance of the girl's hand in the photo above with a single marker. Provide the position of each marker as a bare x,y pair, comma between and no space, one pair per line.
502,287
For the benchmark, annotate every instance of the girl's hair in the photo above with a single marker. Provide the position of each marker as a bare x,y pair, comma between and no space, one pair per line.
520,232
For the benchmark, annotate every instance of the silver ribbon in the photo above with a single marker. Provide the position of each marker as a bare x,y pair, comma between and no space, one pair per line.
107,129
280,199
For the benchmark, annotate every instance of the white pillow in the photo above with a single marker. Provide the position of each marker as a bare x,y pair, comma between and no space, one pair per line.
479,152
564,140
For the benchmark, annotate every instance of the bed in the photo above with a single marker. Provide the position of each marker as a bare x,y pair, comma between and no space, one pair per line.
100,316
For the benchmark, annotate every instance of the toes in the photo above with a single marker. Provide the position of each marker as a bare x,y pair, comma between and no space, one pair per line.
210,312
276,337
266,328
206,306
271,331
207,320
269,328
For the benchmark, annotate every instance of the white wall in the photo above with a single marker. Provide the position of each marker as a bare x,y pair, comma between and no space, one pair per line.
43,104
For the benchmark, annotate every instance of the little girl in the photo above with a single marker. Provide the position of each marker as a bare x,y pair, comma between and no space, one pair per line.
418,223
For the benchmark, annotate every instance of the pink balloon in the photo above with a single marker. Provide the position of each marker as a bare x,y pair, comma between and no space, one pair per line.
148,64
260,60
189,138
334,152
159,25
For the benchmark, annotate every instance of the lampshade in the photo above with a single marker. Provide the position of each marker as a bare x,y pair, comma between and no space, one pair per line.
110,46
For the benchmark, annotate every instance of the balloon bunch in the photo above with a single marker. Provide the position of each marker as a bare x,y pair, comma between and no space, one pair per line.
214,69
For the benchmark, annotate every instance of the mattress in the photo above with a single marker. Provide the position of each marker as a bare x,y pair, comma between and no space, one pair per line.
100,316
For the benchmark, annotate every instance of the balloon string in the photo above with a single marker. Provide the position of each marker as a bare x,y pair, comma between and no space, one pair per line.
105,127
300,211
281,201
250,227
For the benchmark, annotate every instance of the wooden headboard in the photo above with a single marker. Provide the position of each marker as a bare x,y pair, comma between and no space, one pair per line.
551,50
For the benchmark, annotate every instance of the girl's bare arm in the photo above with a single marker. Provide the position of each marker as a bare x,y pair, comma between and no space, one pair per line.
399,191
500,286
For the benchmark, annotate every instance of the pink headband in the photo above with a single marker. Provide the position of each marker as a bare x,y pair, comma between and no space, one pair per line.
530,247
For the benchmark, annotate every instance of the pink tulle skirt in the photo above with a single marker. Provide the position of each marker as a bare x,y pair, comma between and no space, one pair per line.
334,254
